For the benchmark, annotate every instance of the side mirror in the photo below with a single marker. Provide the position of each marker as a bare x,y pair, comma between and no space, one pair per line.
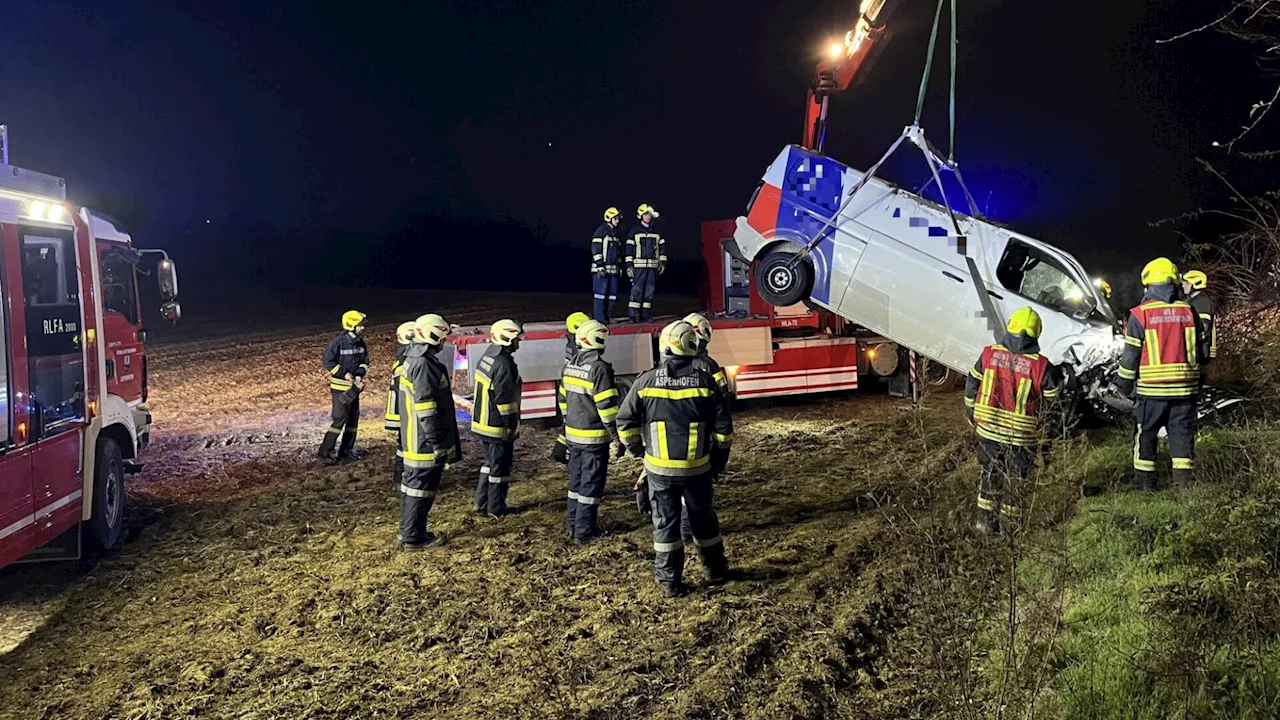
171,311
167,277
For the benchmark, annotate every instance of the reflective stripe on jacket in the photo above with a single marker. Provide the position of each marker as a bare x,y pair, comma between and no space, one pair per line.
345,354
1163,347
646,248
1005,389
680,418
496,411
589,400
606,251
1203,305
430,433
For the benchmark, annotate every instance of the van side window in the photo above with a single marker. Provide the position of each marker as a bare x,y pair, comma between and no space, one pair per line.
1039,278
55,360
119,293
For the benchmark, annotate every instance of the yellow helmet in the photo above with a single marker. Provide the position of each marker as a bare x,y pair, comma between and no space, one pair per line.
1104,286
404,333
431,329
504,332
640,211
1026,321
352,319
1159,271
678,338
574,321
1196,279
592,335
611,213
701,326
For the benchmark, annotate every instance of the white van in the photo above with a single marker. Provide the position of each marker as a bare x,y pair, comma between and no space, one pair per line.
892,262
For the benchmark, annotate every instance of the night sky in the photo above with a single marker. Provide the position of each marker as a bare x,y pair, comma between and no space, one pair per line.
1074,125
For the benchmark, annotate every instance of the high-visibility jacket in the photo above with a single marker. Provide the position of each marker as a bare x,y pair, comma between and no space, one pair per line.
392,416
712,368
676,414
570,352
646,248
1163,347
589,400
430,432
606,251
496,412
345,354
1005,390
1203,305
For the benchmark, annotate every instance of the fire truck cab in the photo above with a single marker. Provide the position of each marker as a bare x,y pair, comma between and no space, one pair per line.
73,371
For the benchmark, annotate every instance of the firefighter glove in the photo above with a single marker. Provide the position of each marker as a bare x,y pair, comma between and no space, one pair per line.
719,459
637,449
620,450
560,453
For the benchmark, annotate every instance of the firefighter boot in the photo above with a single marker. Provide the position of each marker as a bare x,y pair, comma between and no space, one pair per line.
988,522
1144,481
715,568
1183,478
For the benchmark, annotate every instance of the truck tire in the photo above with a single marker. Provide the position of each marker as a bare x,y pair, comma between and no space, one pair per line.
108,496
624,383
782,279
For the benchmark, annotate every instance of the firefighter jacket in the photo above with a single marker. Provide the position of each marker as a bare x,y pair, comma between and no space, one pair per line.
708,364
496,414
646,249
392,416
589,400
606,251
430,433
1006,388
570,352
346,354
676,418
1203,305
1164,347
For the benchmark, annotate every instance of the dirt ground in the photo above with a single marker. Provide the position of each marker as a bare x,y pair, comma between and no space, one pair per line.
258,583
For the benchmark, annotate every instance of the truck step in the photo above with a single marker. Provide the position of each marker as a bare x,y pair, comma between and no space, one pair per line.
132,467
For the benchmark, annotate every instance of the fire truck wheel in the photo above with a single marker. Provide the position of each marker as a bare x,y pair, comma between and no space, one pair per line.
623,383
783,279
108,495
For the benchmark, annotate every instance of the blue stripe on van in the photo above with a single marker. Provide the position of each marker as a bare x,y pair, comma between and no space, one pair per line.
811,192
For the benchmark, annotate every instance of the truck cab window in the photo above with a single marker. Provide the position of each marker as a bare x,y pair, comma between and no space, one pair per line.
1039,278
119,288
54,356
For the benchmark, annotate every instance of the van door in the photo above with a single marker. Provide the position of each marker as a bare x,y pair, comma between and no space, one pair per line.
1033,277
55,371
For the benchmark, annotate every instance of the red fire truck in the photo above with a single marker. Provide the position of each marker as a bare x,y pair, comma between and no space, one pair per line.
766,351
73,371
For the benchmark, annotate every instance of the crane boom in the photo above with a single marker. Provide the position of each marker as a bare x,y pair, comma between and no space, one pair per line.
837,72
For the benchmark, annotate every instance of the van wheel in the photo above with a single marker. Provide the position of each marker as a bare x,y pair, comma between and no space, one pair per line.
782,279
108,496
936,375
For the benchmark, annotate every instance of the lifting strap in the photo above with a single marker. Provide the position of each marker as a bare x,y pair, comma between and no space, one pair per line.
928,67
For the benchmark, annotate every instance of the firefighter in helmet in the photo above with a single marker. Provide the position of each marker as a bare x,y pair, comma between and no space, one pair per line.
589,400
495,419
606,265
676,419
560,451
1164,350
646,260
1194,283
346,361
404,336
429,439
1004,396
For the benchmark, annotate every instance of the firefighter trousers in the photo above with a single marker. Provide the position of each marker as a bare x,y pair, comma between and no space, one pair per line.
346,420
418,490
604,291
495,475
665,494
640,307
1004,468
397,473
1178,417
588,467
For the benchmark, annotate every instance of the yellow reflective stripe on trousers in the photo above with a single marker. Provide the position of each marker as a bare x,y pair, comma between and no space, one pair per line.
667,394
1183,464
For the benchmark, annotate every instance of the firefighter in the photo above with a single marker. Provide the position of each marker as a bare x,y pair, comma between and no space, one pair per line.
675,418
346,360
560,451
702,328
605,265
1164,349
1003,395
1193,284
429,434
646,260
590,401
496,416
404,336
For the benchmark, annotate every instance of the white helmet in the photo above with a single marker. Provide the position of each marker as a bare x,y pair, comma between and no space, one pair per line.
678,338
504,332
430,329
701,326
404,333
592,335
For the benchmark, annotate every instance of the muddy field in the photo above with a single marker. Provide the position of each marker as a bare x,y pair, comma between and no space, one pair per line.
258,583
